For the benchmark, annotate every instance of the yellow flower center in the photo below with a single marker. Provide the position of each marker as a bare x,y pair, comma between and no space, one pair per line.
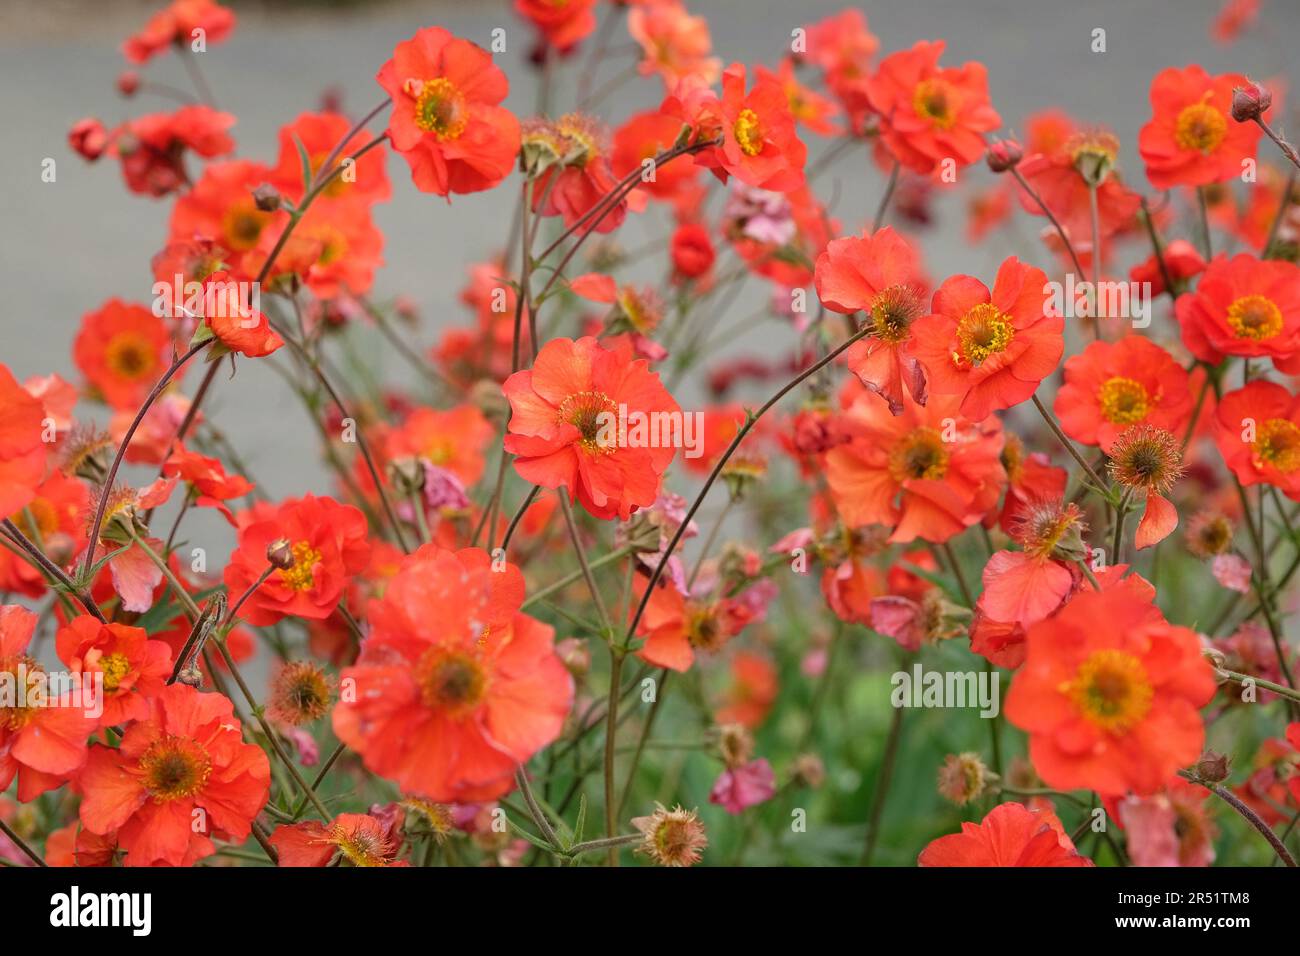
451,681
115,667
933,99
362,847
174,767
1200,127
129,356
749,133
1111,690
439,107
703,629
1123,400
242,225
17,716
588,412
1278,443
983,331
302,575
1255,317
920,455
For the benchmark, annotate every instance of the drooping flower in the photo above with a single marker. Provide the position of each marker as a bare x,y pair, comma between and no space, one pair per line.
676,626
927,473
454,687
1031,478
1244,306
179,778
1148,459
447,121
1010,835
180,23
152,148
743,786
929,113
133,668
564,426
1111,386
328,544
1115,708
209,484
881,275
574,174
1257,431
990,348
1192,139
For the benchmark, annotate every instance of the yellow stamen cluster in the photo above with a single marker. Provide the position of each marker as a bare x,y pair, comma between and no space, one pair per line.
983,331
749,132
1111,690
1124,401
921,455
1254,317
1200,127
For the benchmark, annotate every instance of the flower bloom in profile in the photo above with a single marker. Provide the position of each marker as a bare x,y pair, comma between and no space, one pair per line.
1182,261
744,785
22,449
40,744
564,425
454,687
446,119
1192,139
671,837
570,159
122,349
760,145
328,546
1257,431
209,484
1148,459
1111,386
930,113
1244,306
152,147
1023,587
220,209
927,473
1115,708
880,275
1009,835
180,777
1169,828
133,668
562,25
181,23
674,44
1062,176
990,348
353,839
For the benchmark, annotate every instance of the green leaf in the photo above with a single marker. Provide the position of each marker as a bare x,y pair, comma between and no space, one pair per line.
581,822
305,162
535,841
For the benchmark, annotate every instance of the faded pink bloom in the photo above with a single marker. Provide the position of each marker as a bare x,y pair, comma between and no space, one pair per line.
744,786
1232,571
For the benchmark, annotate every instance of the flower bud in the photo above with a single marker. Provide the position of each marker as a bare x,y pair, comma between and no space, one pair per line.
89,138
575,655
1212,767
279,553
267,197
1250,102
1004,154
128,82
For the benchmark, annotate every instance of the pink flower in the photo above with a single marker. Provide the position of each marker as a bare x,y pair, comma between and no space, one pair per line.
744,786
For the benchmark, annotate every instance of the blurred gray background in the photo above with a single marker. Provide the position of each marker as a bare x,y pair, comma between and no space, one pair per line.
67,246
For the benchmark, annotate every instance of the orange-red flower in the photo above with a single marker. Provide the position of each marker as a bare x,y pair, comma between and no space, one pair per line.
56,517
133,668
842,46
563,23
927,472
221,208
989,348
675,626
1111,708
1031,477
564,427
229,315
446,120
1010,835
122,349
207,479
455,688
1244,306
881,275
808,107
357,838
1111,386
328,544
749,698
759,143
365,179
1192,139
40,744
22,448
177,25
180,777
453,439
1258,434
1182,260
930,113
1057,175
575,174
674,44
152,148
644,136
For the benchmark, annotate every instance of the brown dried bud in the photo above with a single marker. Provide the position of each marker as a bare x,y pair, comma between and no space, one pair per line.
1212,767
575,655
267,197
1004,154
1250,102
490,400
808,771
406,474
280,554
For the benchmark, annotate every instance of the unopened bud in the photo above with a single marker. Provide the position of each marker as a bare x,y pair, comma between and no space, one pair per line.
1004,154
88,138
1212,767
575,655
1249,102
267,197
128,82
490,400
406,474
279,553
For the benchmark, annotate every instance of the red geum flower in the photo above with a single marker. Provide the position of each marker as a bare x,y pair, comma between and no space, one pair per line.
1023,587
356,839
180,776
1192,139
1182,261
335,249
674,44
644,136
1060,177
930,113
675,626
1010,835
1111,386
808,107
455,687
132,667
563,23
230,316
691,251
220,208
22,448
320,134
752,691
1031,477
880,274
88,138
152,148
206,477
564,426
1115,708
574,173
927,473
989,348
759,143
446,120
42,739
1258,434
453,439
328,543
56,517
122,349
179,24
1244,306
